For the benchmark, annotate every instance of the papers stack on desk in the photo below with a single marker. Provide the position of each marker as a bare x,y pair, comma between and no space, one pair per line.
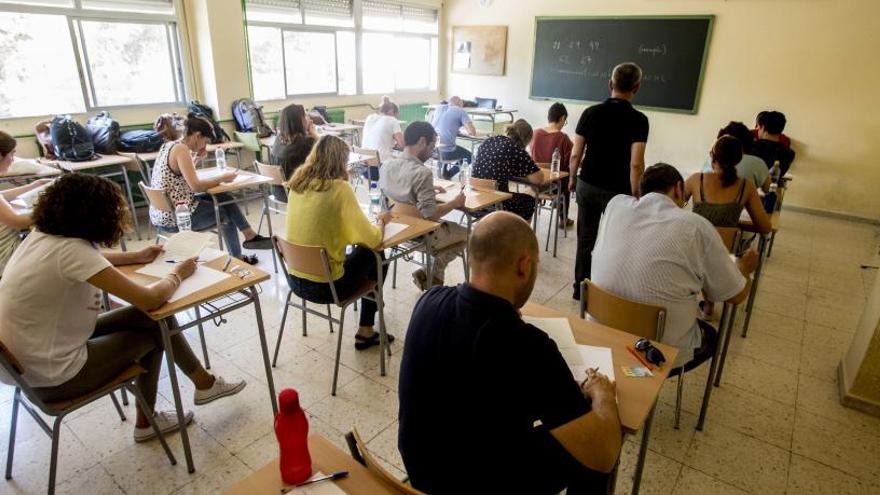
29,199
579,357
179,247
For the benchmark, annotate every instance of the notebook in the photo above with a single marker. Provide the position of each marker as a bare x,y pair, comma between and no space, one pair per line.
579,357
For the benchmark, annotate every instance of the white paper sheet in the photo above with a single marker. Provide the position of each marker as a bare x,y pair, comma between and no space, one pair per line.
186,244
559,329
579,357
202,278
392,229
160,267
29,199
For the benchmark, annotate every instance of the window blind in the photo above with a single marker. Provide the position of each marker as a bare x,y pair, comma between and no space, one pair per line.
279,4
328,8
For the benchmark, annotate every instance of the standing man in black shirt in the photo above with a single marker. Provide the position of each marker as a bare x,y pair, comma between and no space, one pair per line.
610,142
487,403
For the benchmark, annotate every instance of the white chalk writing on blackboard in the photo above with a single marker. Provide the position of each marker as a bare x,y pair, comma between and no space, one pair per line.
653,50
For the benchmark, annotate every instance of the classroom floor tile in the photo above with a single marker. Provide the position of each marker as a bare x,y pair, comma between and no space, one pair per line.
774,426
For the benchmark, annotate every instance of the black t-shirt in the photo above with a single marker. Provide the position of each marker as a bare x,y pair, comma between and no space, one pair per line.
480,391
770,151
609,129
290,156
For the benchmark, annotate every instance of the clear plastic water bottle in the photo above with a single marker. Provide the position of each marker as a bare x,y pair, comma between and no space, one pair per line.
183,215
556,161
220,158
775,172
375,201
464,175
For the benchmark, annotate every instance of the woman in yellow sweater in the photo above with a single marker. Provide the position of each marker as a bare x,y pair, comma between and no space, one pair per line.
322,210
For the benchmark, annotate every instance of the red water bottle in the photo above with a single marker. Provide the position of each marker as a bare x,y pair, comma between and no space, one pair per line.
292,432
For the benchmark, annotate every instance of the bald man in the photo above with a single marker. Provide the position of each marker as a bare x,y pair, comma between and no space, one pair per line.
487,403
448,120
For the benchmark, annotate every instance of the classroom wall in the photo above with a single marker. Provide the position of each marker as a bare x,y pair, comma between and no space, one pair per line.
810,59
216,75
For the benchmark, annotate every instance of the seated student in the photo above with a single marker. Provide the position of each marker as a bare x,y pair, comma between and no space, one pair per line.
502,158
783,139
175,172
382,130
769,145
448,120
750,167
295,139
12,222
654,251
407,180
50,304
323,211
487,402
721,195
545,141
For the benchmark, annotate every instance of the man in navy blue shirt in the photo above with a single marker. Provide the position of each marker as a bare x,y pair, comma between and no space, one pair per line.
487,403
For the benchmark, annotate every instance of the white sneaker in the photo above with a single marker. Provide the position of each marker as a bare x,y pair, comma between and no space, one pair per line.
218,390
167,423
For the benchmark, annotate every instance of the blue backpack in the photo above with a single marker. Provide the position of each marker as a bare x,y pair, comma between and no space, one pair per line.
72,142
249,118
140,141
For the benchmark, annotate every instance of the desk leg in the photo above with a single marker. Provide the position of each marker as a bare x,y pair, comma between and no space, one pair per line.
467,252
762,245
560,207
255,297
643,452
707,393
380,308
723,356
175,391
217,220
134,217
429,262
535,214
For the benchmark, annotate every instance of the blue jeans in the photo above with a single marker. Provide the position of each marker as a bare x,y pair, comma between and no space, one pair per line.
457,154
232,220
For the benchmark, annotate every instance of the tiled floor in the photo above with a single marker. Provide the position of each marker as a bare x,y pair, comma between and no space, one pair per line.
774,426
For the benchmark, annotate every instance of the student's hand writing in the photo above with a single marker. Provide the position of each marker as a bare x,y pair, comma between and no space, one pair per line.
748,263
384,217
185,268
597,386
148,254
459,200
439,190
228,176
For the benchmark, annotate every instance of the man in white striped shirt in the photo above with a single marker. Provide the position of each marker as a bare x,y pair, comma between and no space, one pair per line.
654,251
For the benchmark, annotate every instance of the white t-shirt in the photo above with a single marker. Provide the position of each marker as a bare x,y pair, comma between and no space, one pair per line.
379,131
47,309
650,250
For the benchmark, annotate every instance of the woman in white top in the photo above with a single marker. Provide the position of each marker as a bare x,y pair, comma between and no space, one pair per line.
50,304
12,222
175,172
382,130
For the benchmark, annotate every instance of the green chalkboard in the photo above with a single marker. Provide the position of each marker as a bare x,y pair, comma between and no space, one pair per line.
574,56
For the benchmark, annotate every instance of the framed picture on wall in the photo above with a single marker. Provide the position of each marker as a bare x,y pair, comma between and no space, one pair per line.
479,50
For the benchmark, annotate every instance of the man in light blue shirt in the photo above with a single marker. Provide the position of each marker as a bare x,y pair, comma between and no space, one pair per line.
751,166
447,121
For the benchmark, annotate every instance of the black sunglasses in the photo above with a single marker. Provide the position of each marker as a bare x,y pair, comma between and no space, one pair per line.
652,354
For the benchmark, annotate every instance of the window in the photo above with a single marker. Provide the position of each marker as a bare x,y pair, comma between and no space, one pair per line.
307,47
129,57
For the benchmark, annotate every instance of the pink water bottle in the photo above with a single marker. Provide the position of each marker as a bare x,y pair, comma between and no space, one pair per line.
292,432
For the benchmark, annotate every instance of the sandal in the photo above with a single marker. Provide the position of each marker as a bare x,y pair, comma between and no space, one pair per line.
258,242
362,343
250,259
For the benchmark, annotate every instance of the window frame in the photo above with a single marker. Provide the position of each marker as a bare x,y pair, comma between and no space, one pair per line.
359,31
75,15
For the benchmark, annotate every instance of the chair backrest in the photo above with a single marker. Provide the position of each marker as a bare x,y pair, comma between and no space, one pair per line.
486,184
544,165
373,162
361,454
730,237
249,139
15,370
157,198
406,209
273,171
644,320
304,259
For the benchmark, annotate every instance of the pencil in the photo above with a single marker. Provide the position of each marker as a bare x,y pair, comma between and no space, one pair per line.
641,360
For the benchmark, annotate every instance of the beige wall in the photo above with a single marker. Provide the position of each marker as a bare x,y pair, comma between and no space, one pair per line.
814,60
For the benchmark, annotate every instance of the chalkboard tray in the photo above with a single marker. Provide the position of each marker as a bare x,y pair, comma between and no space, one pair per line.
574,56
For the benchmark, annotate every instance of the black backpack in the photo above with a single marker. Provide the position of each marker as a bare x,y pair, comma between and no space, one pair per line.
105,132
72,141
249,117
141,141
196,109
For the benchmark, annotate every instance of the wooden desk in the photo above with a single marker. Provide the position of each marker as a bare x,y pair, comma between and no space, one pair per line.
43,171
256,183
338,129
240,286
476,199
550,182
233,147
326,458
123,163
490,113
635,396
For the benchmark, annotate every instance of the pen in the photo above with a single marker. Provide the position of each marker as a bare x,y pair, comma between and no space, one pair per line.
636,354
594,370
228,261
335,476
